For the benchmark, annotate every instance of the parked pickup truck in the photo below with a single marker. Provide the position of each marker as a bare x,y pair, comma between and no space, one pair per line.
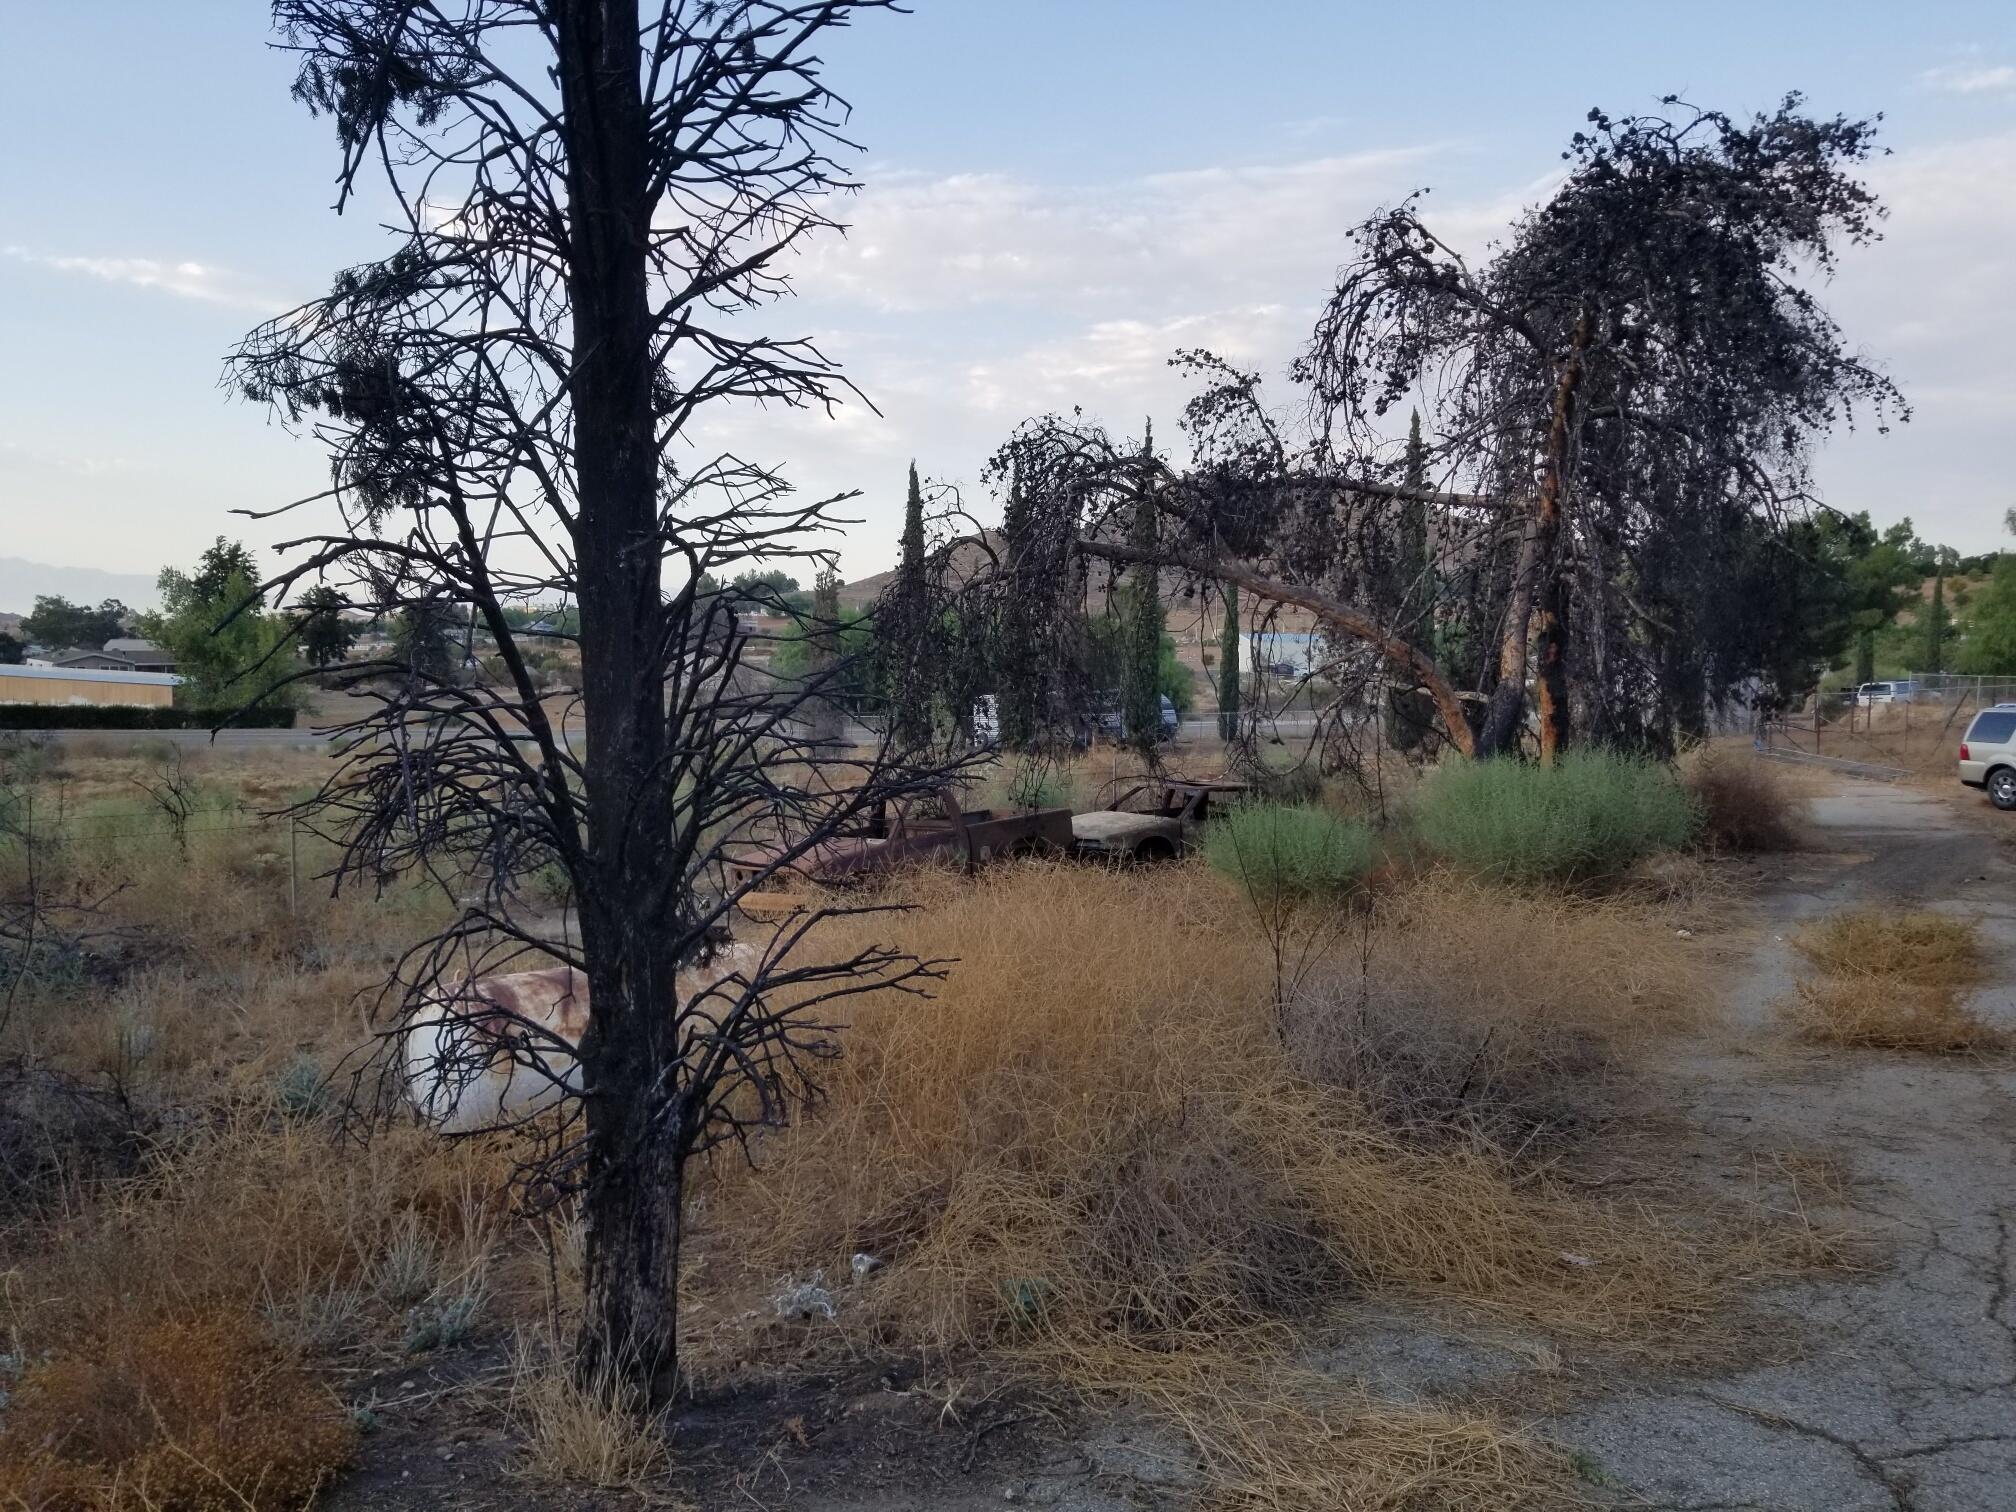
1154,820
933,827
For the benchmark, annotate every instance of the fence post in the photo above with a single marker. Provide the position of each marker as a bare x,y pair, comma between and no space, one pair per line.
293,866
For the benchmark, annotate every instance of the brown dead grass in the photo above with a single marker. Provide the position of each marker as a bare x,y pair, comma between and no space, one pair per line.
1893,979
1095,1152
1096,1130
1748,805
577,1433
1099,1152
1883,1013
1917,946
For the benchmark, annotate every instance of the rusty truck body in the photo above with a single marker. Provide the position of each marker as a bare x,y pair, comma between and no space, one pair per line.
934,828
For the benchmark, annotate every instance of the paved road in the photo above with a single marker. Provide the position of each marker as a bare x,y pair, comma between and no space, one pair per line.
1892,1390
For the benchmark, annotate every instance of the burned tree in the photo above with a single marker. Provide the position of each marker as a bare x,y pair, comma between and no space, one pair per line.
1248,514
1621,403
1642,364
594,203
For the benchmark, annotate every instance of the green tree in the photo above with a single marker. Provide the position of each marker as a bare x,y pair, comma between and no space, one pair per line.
1140,691
230,654
906,629
1990,647
219,565
325,635
1880,571
420,640
1228,666
1108,641
1017,673
57,623
1937,624
1411,563
11,650
1410,713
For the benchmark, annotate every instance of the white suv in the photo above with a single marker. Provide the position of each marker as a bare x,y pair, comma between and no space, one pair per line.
1988,754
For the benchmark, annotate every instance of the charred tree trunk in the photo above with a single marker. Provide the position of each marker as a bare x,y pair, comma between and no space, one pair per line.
631,1204
1539,592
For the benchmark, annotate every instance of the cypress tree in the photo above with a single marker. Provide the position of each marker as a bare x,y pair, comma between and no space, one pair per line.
1141,703
1412,567
827,724
907,633
1935,622
1228,667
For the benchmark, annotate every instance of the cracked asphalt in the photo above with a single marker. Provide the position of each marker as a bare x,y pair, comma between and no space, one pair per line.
1895,1389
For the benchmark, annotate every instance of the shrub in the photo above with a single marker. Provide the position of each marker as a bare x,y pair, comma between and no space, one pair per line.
1589,816
1279,851
179,1414
1747,804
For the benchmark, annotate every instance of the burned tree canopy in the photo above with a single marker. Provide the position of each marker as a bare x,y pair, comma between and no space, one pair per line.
1637,373
1621,403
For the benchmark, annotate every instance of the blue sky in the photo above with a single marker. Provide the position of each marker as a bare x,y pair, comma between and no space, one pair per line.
1058,195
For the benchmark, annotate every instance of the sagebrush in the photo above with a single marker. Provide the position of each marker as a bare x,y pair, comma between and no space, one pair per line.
1588,817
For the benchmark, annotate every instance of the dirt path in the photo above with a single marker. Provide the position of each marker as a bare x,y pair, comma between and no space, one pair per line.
1895,1390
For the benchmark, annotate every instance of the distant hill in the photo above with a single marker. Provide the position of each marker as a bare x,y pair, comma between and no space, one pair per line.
22,580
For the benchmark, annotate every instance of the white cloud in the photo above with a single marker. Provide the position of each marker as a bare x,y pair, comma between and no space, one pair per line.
1970,78
187,280
1175,240
1930,302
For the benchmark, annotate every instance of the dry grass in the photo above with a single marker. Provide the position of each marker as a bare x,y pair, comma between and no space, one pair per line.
578,1433
1893,979
1916,946
1748,805
1101,1152
1098,1153
1883,1013
1099,1132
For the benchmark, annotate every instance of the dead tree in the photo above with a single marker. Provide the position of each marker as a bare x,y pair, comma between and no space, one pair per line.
1642,362
593,203
1252,510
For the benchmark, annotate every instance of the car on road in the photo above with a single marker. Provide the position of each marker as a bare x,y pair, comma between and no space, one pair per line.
1988,755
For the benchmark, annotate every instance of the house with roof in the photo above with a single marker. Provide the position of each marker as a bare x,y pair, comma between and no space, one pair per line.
123,654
